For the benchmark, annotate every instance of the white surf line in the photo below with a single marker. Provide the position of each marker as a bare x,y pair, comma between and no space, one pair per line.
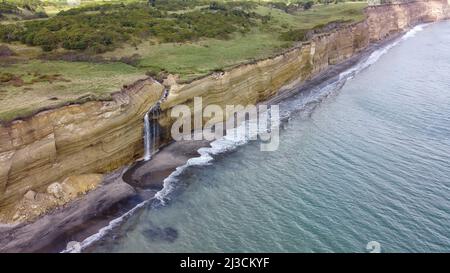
225,144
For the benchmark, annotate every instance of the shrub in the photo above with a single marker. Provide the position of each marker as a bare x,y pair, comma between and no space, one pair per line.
46,39
279,5
308,5
76,40
81,29
10,33
6,77
296,35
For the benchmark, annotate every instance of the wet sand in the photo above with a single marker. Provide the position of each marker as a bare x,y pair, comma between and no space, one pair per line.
36,236
118,193
122,190
152,173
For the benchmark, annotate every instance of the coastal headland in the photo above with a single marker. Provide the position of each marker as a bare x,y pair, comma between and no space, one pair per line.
45,155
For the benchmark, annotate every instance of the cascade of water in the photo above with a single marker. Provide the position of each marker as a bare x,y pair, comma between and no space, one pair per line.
151,127
147,137
151,131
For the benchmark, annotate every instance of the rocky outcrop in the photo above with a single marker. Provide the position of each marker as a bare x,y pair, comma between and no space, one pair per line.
100,136
256,82
385,20
35,236
94,137
35,204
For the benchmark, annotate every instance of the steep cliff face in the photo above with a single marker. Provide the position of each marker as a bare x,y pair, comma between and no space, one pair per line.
89,138
97,137
253,83
387,19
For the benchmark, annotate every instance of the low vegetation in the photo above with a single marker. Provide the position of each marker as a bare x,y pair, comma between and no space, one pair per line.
27,87
21,10
96,48
102,28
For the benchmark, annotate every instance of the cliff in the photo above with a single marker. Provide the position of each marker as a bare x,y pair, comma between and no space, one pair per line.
256,82
98,137
94,137
385,20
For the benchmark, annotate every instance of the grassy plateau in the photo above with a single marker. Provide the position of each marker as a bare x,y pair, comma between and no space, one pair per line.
52,53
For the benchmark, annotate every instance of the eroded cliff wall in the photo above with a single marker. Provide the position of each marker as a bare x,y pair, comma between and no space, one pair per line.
93,137
256,82
98,137
252,83
385,20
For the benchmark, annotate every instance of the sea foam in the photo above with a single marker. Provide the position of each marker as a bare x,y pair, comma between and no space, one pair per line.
235,137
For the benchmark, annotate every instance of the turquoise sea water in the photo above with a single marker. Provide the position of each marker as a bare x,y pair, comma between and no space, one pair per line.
368,162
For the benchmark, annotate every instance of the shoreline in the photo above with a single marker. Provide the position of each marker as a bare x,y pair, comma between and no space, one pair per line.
102,137
123,190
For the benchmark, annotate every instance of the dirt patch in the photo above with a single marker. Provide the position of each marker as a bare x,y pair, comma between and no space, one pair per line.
5,51
50,78
9,79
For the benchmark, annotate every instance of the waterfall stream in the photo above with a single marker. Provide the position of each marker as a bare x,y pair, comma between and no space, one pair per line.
151,127
147,138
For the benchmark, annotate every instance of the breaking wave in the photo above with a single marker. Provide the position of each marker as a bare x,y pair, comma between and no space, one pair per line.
235,138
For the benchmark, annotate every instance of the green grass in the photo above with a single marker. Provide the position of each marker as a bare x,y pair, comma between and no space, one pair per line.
188,60
85,80
319,14
191,60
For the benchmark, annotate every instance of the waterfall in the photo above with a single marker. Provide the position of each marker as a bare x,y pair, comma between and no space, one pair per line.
151,131
147,137
151,127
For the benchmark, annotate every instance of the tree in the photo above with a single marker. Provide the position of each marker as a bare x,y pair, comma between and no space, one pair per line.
152,2
308,5
46,39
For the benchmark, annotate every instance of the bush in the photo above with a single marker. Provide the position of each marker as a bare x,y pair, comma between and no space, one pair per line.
10,33
6,77
16,7
308,5
46,39
83,29
296,35
8,8
76,40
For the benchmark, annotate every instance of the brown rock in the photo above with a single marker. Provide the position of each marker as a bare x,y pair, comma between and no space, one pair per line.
56,190
93,137
81,183
30,195
101,136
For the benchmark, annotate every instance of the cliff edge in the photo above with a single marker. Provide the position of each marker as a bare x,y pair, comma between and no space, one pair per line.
100,136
